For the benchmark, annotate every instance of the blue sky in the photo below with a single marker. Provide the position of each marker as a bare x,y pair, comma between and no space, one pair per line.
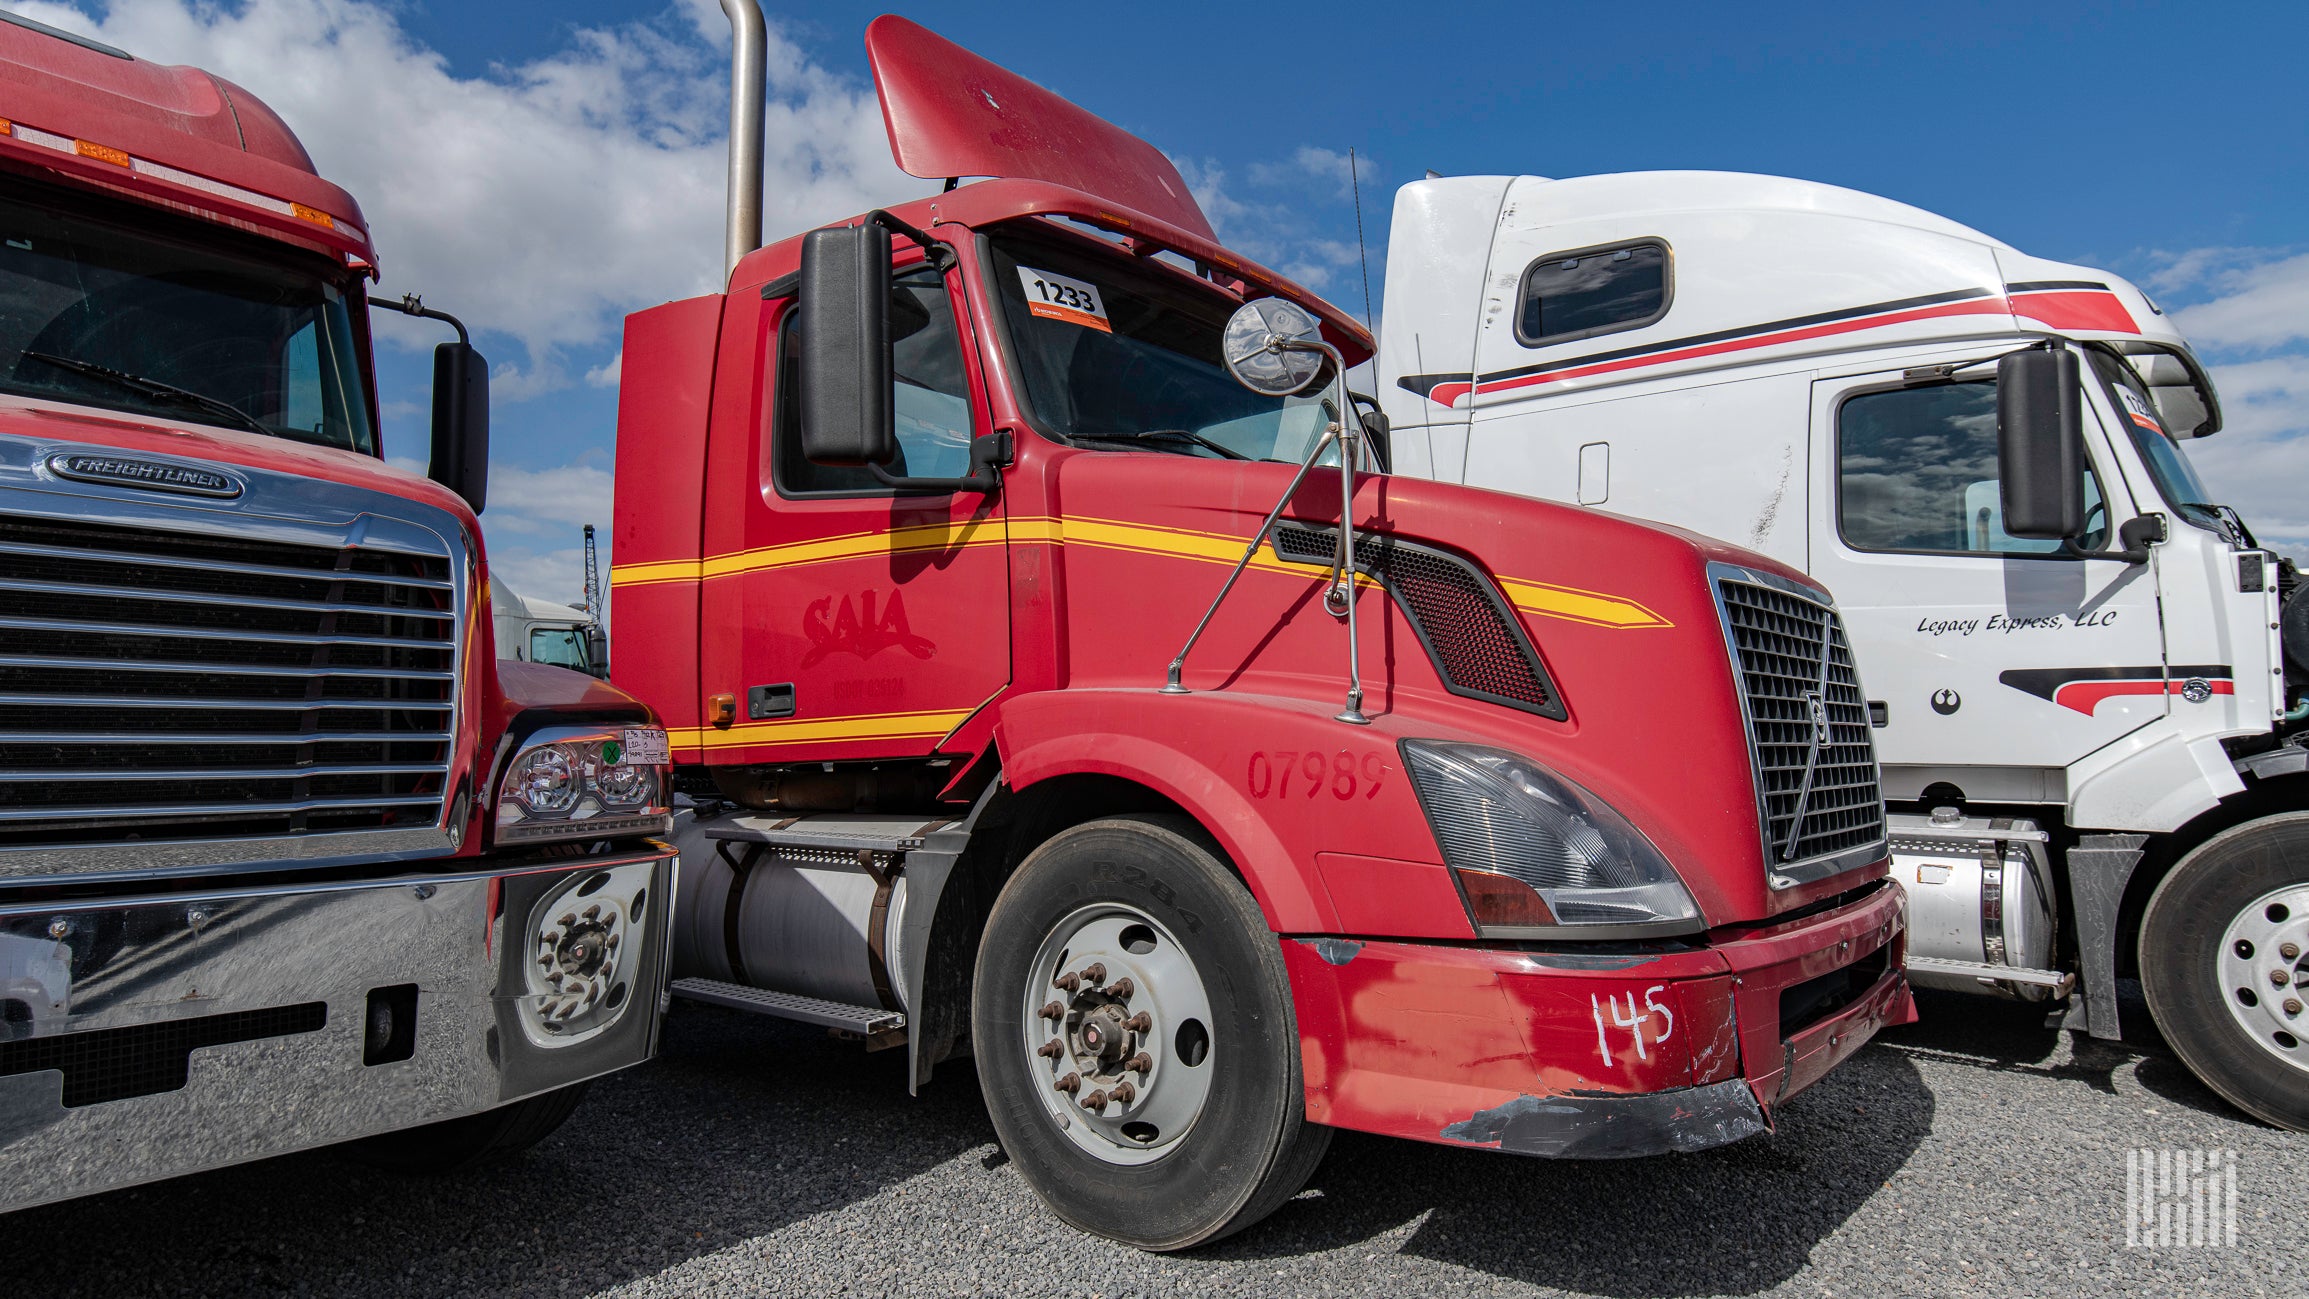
545,167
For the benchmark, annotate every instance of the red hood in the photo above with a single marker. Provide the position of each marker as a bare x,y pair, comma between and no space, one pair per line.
122,432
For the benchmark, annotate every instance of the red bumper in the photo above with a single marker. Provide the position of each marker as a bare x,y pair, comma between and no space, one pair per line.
1591,1054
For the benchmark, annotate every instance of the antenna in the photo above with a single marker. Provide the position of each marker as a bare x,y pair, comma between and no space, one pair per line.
592,577
1355,179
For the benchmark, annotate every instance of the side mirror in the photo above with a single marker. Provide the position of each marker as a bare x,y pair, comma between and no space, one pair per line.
597,651
2040,446
461,422
1273,347
845,365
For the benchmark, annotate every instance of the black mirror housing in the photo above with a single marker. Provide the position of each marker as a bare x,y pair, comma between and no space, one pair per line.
845,367
597,651
461,422
2040,446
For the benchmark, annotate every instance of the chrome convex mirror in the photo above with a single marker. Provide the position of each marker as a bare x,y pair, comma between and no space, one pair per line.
1273,347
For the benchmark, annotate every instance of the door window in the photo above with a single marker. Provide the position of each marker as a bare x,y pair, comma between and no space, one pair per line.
563,647
1917,472
930,397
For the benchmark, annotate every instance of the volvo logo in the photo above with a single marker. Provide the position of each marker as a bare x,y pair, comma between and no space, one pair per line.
153,475
2196,690
1814,700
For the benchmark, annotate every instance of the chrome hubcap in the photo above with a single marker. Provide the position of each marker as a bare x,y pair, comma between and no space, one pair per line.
2264,961
1117,1032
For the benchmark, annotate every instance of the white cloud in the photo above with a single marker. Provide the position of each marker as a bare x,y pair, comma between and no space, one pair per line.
535,525
543,199
2251,317
607,374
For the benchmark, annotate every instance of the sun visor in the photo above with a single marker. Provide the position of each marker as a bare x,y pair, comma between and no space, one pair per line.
952,113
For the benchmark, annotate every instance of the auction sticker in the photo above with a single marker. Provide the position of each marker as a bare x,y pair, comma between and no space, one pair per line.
646,748
1055,297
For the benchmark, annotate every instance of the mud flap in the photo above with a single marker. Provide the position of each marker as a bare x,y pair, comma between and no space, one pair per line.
2099,867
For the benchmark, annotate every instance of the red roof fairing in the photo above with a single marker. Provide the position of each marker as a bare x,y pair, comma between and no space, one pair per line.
180,118
952,113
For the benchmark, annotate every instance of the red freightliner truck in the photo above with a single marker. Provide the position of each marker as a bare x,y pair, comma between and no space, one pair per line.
912,522
287,856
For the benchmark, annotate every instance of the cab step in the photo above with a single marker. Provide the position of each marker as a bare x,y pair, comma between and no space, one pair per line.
833,832
2062,982
877,1026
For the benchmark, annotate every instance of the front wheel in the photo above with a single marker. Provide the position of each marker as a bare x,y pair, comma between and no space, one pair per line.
1132,1023
2224,951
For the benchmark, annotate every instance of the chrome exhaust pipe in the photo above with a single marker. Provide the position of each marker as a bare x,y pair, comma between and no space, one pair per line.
749,59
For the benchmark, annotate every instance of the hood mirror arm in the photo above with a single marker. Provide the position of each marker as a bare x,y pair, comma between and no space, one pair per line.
1341,430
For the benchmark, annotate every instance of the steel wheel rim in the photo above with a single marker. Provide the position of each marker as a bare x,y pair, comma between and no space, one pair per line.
1156,1079
2263,960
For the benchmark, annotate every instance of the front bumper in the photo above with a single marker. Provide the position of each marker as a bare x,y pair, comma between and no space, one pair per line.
1593,1055
198,1029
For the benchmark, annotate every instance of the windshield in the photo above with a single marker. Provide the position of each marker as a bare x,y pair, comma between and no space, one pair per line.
1109,350
103,312
2137,409
563,647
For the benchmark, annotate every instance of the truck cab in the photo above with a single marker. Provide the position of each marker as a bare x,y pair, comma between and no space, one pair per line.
1063,683
287,857
2066,713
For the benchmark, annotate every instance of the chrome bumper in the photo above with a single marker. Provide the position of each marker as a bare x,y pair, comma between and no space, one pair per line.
152,1036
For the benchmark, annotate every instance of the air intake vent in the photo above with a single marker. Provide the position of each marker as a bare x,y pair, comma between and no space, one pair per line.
1470,633
160,684
1816,780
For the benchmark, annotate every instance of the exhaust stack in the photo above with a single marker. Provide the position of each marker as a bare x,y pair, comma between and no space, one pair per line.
749,57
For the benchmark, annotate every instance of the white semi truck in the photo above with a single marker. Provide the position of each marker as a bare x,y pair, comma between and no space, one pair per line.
540,631
2088,677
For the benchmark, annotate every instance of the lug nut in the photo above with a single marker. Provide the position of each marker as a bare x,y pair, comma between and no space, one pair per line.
1095,1102
2292,1006
1141,1064
1070,981
2290,951
1050,1050
1051,1011
1070,1084
1095,972
1139,1023
1121,989
2279,977
1124,1093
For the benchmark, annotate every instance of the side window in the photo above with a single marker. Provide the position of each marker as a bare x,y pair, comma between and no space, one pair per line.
1592,291
930,396
1916,471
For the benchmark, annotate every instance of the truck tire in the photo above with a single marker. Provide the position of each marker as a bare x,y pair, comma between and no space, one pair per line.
1202,1127
453,1145
2224,950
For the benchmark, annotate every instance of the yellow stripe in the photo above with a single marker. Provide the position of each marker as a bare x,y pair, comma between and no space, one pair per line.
1541,599
875,726
855,545
1579,606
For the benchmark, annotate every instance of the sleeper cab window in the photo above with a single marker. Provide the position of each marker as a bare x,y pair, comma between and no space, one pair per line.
929,398
1917,471
1590,291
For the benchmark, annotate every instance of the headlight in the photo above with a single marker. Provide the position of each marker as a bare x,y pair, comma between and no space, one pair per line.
588,782
1536,855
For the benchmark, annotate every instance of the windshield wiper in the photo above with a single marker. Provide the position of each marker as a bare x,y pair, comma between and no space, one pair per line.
1164,434
169,392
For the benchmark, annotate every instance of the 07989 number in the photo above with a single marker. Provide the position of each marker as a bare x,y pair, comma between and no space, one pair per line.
1313,773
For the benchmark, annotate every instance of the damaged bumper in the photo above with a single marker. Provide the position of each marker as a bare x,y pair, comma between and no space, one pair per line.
1594,1055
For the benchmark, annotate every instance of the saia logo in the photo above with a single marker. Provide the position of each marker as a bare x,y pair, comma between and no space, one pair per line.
852,628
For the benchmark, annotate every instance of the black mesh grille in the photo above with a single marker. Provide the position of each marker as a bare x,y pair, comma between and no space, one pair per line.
113,1064
1778,639
1477,646
156,684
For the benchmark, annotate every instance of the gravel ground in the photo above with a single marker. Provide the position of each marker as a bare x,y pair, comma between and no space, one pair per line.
1974,1153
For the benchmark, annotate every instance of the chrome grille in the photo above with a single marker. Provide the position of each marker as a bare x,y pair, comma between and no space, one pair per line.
1816,776
163,685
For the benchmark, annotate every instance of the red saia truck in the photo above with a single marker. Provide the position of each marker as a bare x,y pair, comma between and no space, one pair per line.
1460,816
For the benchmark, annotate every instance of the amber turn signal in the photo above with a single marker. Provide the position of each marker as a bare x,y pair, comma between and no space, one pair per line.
1501,900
